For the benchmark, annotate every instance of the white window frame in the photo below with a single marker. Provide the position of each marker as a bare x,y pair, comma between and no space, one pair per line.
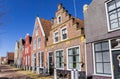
58,19
79,56
40,63
54,36
106,75
55,58
108,22
62,34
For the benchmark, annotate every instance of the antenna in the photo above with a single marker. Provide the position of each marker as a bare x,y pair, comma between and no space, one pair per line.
75,8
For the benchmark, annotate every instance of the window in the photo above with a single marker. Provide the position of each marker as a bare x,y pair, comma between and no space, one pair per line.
59,20
74,58
34,45
56,37
59,59
64,33
26,50
40,59
37,30
29,60
102,58
113,10
39,42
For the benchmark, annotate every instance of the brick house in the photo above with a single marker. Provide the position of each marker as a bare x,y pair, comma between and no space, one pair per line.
16,53
102,29
10,58
27,52
39,38
20,53
65,46
3,60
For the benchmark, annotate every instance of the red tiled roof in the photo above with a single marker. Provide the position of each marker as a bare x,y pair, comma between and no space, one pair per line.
46,24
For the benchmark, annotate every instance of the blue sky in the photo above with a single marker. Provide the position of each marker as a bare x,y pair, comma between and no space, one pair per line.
21,15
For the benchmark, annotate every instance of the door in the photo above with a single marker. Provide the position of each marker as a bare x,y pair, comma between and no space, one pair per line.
51,66
116,63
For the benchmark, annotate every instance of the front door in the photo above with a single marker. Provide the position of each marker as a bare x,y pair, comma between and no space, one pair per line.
51,68
116,63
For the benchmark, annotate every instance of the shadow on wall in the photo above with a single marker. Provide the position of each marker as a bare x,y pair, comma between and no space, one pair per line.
90,77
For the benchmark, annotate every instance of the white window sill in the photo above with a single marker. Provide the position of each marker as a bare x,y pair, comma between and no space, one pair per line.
114,30
60,68
103,75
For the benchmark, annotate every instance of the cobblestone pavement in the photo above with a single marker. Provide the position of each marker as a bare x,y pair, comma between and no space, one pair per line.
6,72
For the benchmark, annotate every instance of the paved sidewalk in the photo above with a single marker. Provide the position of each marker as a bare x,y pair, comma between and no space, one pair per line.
32,75
6,72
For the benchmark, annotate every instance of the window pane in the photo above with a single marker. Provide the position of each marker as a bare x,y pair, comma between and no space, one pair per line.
113,15
106,56
107,68
62,59
62,66
118,11
78,65
99,68
77,59
111,6
57,65
77,50
70,65
118,3
70,59
70,52
57,60
114,24
57,53
98,57
105,46
98,47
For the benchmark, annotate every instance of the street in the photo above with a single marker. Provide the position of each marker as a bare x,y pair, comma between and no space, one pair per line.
6,72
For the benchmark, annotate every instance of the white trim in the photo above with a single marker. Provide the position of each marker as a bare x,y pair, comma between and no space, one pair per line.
111,59
85,57
106,10
41,27
55,59
115,49
79,56
103,75
108,23
94,60
54,37
61,33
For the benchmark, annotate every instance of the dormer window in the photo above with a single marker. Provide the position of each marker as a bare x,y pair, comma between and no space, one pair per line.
59,19
56,37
